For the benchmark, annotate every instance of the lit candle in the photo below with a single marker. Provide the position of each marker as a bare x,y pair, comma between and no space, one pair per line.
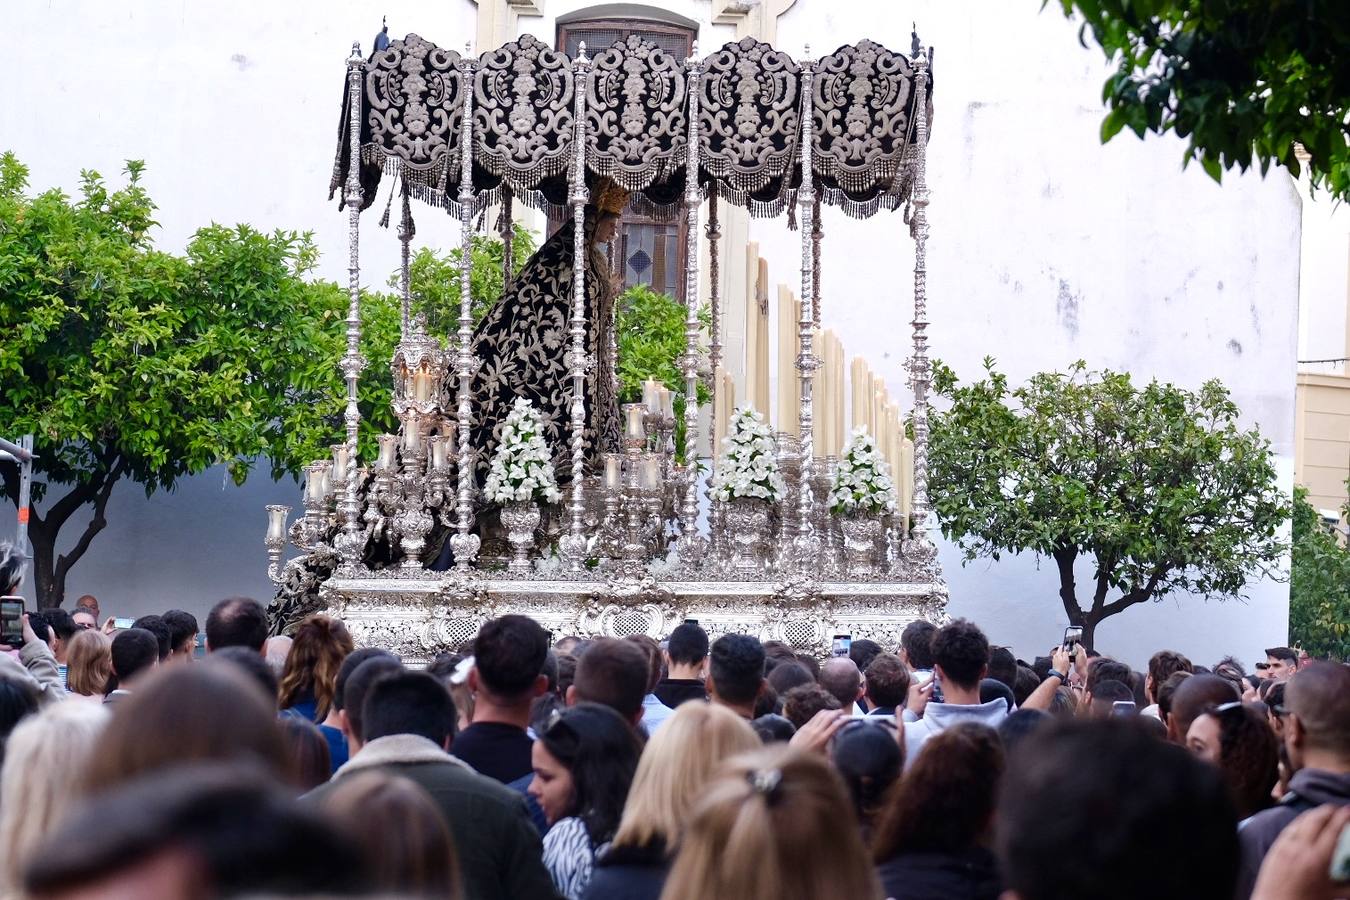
388,447
422,385
341,460
651,395
439,452
667,403
613,471
636,430
276,522
651,473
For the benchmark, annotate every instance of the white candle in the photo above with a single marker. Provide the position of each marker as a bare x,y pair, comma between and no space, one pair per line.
388,447
651,397
651,473
276,522
667,403
327,480
439,459
636,429
341,461
422,385
314,481
412,434
613,471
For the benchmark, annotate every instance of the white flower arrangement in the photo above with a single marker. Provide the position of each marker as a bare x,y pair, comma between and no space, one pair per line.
862,480
749,464
522,466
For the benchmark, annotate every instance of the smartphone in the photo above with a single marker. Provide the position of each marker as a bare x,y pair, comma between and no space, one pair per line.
11,621
1124,709
1073,636
841,645
199,645
122,623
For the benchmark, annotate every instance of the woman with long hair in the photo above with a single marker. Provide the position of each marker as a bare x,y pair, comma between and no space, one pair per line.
775,824
407,843
208,712
676,766
318,647
931,838
583,766
40,779
89,665
1237,739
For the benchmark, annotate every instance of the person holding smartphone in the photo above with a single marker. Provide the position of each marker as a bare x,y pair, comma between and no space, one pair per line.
960,660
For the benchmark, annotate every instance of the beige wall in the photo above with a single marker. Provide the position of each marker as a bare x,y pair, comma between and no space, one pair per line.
1322,438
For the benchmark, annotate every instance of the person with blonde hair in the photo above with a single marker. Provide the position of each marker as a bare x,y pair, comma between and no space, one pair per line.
774,825
676,766
89,665
406,840
44,760
318,647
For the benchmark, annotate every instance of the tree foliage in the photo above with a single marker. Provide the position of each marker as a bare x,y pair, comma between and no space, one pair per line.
1242,80
1319,585
434,278
1158,485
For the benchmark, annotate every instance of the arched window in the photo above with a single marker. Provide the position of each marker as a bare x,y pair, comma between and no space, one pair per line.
646,251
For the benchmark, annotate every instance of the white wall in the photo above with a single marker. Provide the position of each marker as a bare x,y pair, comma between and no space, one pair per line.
1046,246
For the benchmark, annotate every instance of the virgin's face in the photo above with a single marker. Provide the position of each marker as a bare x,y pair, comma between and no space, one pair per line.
552,783
606,228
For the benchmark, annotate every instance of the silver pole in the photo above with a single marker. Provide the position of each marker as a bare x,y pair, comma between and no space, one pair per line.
807,542
353,362
691,540
463,544
573,544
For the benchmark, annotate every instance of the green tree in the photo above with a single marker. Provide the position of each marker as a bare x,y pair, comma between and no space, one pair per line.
127,362
1158,485
1319,585
1242,80
434,278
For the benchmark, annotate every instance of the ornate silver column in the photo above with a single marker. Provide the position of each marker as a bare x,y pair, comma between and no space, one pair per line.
463,544
806,541
920,548
816,233
405,236
573,544
690,540
352,361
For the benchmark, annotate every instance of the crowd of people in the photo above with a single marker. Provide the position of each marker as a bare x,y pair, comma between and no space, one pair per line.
140,762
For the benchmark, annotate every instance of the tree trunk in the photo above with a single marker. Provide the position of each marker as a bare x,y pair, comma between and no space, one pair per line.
50,570
48,591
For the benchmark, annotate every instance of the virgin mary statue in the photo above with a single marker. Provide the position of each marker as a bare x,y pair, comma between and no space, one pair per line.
523,341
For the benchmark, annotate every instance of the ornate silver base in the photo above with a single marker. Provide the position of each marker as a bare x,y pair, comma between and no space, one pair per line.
418,616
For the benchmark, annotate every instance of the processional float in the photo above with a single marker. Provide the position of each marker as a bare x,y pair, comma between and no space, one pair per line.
633,549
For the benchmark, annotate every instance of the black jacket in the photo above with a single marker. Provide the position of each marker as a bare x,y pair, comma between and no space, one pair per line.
629,873
500,853
969,875
1308,789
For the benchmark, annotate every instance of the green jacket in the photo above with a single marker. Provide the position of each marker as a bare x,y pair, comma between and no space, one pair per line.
500,853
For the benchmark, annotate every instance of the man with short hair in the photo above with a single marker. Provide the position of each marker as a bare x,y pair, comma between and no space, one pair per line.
182,634
507,674
1281,662
1192,697
685,655
613,673
84,618
407,724
55,628
916,651
840,676
1143,818
654,712
1161,665
887,684
801,704
862,652
236,622
1317,740
1099,669
736,673
135,652
160,629
333,726
1003,666
89,602
354,690
960,661
1106,696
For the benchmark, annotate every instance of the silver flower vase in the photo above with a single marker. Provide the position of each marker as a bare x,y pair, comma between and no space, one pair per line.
747,532
520,518
863,534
